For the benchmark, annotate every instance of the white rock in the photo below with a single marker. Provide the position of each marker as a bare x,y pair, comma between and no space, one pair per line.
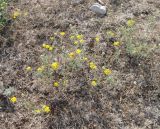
98,8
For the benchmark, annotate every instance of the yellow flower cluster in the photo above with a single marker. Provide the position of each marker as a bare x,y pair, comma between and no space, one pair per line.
45,109
78,39
107,71
78,51
38,111
40,69
81,40
130,22
16,14
55,65
79,36
73,54
28,68
13,99
55,84
62,33
94,83
85,58
75,42
72,37
47,46
116,44
92,65
51,38
97,39
110,33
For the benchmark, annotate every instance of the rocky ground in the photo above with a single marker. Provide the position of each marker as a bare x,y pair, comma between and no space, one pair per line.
130,100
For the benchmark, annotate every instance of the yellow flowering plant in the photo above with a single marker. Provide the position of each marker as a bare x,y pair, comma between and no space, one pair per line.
51,38
107,71
62,33
97,39
55,65
55,84
37,111
116,44
92,65
40,69
29,68
85,59
72,37
50,48
130,22
13,99
75,42
71,55
110,33
94,83
79,36
16,14
46,109
81,40
78,51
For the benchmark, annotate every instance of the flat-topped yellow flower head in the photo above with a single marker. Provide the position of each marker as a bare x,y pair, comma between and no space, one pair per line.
50,48
51,38
46,109
13,99
94,83
116,44
110,33
78,51
130,22
75,42
55,65
107,71
29,68
97,38
79,36
40,69
71,55
62,33
72,37
92,65
37,111
16,14
55,84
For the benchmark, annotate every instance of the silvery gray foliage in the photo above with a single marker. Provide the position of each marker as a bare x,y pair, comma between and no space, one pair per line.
9,91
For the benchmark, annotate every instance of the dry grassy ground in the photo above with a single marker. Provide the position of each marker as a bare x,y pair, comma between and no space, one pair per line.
129,98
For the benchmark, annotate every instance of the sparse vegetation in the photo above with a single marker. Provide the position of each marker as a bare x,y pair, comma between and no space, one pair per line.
63,67
3,17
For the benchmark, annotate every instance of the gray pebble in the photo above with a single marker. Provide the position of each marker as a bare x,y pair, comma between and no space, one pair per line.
77,1
98,9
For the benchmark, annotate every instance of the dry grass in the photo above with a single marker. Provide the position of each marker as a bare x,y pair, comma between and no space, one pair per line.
128,98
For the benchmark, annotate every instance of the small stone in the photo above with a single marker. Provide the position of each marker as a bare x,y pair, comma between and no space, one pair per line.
77,1
98,9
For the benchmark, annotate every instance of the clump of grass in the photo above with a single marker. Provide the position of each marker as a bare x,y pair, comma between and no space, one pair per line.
134,46
3,17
